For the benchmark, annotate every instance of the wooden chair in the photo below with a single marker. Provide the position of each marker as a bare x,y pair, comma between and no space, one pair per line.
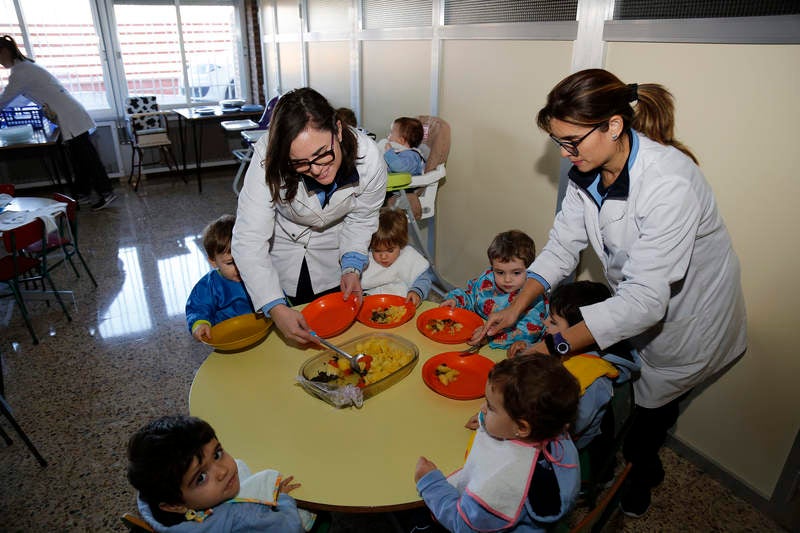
147,127
135,524
65,240
596,518
5,410
18,268
8,188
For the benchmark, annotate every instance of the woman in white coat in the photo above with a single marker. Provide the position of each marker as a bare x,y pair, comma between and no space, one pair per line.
307,210
34,82
638,198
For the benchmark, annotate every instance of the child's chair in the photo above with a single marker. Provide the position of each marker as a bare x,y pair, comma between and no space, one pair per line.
420,203
136,524
249,137
5,410
147,127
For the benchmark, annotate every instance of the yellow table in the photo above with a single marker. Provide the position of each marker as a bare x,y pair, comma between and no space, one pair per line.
357,460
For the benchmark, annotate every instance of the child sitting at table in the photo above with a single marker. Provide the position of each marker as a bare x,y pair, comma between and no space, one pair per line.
597,370
186,481
509,253
522,471
394,267
401,150
220,294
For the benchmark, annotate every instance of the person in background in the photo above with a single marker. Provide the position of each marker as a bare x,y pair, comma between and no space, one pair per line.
394,267
401,150
522,471
187,482
509,254
220,294
348,118
307,210
59,106
637,196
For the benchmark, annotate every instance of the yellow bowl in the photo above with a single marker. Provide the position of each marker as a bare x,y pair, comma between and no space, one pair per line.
239,332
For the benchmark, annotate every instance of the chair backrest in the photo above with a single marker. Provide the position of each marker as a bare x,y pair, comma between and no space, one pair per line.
266,117
72,205
143,104
136,524
18,238
437,137
8,188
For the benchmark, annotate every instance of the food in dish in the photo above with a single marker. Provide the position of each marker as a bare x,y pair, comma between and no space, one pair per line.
445,325
446,375
382,358
388,315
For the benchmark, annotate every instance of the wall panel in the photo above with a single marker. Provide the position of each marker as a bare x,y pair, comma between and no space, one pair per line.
329,71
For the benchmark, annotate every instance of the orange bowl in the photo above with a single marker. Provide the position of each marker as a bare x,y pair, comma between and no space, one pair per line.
239,332
378,302
473,370
451,334
329,315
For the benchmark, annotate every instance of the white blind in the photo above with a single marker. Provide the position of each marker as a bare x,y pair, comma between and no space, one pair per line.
499,11
383,14
685,9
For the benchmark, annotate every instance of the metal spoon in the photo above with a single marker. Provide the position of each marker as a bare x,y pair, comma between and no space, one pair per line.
352,358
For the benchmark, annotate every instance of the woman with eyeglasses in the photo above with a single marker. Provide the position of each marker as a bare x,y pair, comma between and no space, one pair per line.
307,210
638,198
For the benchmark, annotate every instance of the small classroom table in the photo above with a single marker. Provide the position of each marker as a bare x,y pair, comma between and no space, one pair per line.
347,460
24,209
45,143
191,116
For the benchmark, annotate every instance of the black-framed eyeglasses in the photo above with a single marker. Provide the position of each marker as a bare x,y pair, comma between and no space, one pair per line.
324,159
572,146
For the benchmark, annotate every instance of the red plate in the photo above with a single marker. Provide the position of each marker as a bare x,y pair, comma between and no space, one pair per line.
329,315
382,301
468,320
471,381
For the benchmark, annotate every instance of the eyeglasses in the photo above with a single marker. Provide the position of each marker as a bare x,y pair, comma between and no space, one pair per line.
572,146
324,159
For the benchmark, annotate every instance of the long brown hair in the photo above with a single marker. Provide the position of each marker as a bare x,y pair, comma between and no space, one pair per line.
296,110
593,96
7,42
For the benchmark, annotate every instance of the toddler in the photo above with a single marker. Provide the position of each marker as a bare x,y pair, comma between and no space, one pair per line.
510,253
402,147
220,294
188,482
596,371
394,267
522,471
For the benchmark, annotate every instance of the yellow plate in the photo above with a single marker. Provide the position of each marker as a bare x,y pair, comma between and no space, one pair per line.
239,332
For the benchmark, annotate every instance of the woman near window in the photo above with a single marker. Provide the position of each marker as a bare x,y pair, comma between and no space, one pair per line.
638,198
307,210
37,84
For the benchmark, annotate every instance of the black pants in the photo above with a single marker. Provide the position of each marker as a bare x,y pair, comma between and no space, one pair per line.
647,434
86,166
305,293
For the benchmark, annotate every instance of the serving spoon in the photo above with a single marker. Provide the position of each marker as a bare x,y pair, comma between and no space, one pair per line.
352,358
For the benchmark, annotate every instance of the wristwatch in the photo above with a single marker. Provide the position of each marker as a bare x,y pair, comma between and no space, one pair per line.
557,344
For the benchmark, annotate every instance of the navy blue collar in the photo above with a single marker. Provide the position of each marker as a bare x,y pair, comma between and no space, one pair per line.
620,187
324,192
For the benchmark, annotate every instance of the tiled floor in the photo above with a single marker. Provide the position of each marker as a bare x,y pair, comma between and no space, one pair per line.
127,358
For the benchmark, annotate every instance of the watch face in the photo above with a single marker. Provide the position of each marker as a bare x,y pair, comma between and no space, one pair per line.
562,348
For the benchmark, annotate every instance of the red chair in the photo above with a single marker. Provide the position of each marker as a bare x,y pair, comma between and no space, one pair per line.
66,240
17,268
8,188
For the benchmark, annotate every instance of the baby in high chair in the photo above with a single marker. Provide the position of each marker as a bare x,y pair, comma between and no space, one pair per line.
394,267
220,294
522,471
509,253
401,151
187,482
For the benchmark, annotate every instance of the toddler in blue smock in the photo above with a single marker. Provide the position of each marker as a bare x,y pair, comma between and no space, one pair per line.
220,294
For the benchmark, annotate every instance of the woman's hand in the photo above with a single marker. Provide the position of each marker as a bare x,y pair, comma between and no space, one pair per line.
414,298
291,323
202,333
472,423
351,284
450,302
423,467
286,486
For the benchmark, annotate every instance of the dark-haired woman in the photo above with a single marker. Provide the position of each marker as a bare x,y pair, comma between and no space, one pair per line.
638,198
35,83
307,210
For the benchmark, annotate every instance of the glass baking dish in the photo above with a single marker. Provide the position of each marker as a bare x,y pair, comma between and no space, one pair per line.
393,358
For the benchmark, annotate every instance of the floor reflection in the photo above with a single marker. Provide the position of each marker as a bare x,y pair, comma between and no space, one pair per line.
179,273
129,312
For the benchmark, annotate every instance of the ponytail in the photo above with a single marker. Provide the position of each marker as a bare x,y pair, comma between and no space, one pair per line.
7,42
591,97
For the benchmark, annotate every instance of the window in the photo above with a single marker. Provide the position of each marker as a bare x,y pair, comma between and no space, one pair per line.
683,9
498,11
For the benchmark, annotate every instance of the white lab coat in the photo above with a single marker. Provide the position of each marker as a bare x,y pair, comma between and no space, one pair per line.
270,239
668,258
37,84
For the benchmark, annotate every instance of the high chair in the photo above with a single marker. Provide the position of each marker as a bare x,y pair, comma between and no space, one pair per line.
417,196
249,137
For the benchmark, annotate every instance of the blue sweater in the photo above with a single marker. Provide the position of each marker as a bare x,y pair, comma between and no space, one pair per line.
215,299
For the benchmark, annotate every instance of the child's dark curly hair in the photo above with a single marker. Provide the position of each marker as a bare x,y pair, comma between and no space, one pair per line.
217,236
512,244
566,300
